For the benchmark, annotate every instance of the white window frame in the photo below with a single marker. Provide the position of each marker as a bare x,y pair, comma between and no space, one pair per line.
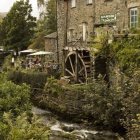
73,3
134,15
84,25
89,1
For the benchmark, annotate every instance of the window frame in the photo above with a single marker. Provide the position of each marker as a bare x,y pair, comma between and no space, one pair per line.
89,2
73,3
134,18
84,30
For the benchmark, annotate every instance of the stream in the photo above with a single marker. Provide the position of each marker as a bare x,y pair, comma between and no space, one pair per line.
62,130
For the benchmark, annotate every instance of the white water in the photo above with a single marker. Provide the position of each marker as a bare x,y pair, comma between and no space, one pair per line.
58,127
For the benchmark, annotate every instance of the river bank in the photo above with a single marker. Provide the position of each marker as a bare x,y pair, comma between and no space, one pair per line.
63,130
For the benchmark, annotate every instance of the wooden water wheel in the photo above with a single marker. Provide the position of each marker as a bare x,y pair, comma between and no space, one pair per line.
77,66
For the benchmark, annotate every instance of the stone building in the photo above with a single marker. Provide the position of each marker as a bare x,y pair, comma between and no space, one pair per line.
51,44
79,20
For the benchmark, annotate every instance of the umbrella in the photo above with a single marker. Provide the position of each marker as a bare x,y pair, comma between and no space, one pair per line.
28,51
41,53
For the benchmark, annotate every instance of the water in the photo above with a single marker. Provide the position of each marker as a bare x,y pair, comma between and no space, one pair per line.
61,130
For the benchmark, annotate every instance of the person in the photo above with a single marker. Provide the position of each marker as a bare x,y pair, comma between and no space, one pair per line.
13,62
23,65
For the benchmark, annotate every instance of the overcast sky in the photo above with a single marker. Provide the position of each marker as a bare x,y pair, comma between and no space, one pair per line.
5,6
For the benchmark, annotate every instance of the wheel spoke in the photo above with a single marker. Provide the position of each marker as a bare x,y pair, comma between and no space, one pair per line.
80,81
72,74
75,67
82,69
71,65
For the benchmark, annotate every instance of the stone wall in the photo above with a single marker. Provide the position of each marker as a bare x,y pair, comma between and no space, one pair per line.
71,19
51,46
61,26
82,13
97,17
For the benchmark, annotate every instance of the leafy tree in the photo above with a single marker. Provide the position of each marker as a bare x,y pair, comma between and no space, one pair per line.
38,38
51,23
18,26
46,24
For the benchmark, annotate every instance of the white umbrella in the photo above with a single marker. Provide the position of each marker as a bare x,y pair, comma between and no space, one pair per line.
28,51
41,53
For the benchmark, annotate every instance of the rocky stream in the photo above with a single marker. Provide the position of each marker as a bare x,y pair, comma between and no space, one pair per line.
62,130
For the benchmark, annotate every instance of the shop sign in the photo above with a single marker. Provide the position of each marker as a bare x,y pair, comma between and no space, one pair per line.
108,18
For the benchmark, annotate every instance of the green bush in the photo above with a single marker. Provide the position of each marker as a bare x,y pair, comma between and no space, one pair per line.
134,129
34,79
109,108
7,63
21,128
16,120
53,87
126,52
14,98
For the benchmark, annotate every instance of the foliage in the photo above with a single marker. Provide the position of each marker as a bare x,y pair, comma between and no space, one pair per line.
16,121
99,47
14,98
0,19
40,3
131,105
134,130
34,79
17,27
45,25
126,53
7,63
22,128
51,16
53,87
37,41
123,51
109,108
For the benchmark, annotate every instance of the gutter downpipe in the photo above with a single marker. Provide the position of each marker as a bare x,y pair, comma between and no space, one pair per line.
57,45
66,43
65,36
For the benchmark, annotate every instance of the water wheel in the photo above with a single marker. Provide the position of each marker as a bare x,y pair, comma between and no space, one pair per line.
76,68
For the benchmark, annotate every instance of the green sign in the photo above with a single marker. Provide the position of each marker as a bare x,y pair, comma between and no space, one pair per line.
107,18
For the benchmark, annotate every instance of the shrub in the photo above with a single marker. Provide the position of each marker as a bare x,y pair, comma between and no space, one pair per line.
53,87
34,79
126,52
21,128
109,108
7,63
134,129
14,97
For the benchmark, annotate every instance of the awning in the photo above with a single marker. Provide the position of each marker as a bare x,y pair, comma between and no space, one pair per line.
74,48
28,51
41,53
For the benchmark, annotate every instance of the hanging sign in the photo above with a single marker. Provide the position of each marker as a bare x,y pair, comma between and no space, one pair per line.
108,18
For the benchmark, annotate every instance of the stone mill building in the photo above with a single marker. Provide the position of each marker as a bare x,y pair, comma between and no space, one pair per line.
79,20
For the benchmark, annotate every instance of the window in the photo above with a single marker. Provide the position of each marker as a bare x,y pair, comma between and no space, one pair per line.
70,34
73,3
133,17
89,1
84,31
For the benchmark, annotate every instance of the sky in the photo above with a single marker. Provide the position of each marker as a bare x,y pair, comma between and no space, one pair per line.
5,6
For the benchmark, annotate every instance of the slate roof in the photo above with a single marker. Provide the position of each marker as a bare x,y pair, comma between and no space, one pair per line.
52,35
